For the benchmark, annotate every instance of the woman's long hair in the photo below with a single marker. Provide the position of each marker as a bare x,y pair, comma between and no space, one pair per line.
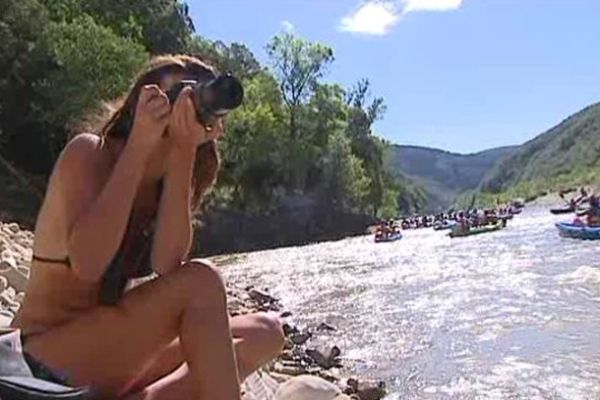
119,122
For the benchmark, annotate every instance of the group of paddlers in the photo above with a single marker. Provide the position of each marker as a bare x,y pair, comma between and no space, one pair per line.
473,217
586,205
461,222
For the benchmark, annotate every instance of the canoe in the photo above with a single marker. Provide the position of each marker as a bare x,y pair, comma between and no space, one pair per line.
562,210
570,230
390,238
479,230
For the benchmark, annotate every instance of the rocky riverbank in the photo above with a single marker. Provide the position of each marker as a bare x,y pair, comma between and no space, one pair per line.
299,357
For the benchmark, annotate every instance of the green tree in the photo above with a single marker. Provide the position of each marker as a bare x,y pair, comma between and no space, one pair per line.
72,67
85,51
365,145
298,64
253,148
344,182
162,26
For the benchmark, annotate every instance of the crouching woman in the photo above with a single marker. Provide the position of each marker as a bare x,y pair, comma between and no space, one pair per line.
119,206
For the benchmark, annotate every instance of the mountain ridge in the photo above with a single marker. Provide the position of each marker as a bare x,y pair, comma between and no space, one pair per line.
569,149
444,175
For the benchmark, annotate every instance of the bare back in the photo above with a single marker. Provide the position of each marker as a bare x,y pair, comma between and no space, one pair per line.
54,293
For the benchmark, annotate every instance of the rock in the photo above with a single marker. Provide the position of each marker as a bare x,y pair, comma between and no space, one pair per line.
20,297
300,338
287,355
7,262
10,293
288,370
5,319
3,284
366,390
309,388
268,307
325,360
287,344
286,314
261,297
15,278
12,227
7,299
289,329
325,327
280,378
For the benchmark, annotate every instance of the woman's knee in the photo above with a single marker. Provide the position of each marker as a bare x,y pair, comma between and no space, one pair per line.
269,333
203,282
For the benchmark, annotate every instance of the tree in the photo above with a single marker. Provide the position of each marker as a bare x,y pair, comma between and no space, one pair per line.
253,148
344,182
365,145
298,64
75,66
162,26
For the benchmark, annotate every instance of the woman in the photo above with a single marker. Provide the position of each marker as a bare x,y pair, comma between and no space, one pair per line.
125,198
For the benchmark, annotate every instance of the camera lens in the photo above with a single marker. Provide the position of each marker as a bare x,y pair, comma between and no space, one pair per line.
227,94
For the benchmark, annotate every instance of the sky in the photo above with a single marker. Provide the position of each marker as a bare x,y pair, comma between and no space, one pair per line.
460,75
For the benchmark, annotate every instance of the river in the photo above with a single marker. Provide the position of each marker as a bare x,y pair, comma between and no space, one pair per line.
513,314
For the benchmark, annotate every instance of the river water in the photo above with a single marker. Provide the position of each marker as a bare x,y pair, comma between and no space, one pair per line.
513,314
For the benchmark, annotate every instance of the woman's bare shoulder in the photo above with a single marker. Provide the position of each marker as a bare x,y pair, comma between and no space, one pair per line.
80,147
83,155
82,166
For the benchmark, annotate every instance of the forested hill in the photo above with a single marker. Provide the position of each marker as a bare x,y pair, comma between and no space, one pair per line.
444,175
566,155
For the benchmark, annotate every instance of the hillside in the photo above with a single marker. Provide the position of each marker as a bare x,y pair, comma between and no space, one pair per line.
442,174
564,155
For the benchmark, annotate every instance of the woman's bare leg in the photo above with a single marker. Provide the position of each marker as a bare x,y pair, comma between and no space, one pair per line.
175,385
107,347
258,338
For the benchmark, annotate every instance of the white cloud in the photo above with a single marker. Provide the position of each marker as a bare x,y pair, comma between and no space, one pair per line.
430,5
288,26
378,17
372,18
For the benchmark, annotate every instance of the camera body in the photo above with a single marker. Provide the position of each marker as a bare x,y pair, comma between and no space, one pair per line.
212,99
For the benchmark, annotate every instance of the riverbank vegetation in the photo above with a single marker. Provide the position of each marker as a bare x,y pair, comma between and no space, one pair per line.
296,135
564,157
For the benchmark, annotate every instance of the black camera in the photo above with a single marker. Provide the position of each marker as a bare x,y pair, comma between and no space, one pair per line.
212,99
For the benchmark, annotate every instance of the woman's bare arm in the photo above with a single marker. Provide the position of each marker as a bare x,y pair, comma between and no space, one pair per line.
96,212
173,237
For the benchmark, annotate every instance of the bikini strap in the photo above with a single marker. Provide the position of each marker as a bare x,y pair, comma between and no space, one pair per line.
63,261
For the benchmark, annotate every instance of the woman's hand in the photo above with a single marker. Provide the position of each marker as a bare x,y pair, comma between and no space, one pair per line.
184,128
151,118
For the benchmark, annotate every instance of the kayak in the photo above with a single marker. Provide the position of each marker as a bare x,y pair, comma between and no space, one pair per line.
567,229
389,238
506,217
479,230
563,210
445,225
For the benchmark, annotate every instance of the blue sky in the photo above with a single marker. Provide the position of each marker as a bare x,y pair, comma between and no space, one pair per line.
461,75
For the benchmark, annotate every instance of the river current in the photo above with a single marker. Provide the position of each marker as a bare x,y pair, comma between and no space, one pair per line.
513,314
